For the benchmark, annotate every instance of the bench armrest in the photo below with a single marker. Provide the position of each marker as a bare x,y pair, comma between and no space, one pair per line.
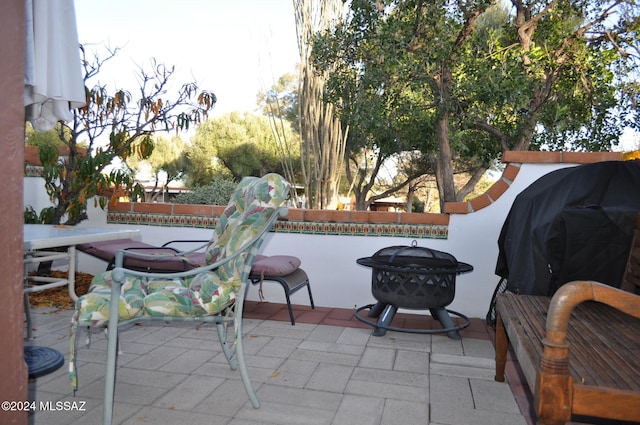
574,293
553,396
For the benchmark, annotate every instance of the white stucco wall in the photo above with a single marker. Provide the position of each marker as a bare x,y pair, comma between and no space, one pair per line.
330,261
337,281
35,194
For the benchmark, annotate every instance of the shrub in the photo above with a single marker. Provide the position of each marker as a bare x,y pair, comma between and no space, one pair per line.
216,193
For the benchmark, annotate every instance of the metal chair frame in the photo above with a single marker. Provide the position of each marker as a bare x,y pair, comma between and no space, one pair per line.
234,353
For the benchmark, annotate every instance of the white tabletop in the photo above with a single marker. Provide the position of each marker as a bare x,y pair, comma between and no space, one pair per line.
44,236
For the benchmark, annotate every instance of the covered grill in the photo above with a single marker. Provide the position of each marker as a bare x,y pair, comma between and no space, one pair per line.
412,277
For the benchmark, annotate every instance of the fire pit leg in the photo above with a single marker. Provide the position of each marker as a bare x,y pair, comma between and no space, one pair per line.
387,316
377,309
445,320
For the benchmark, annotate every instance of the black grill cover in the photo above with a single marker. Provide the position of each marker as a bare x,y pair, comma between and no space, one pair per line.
573,223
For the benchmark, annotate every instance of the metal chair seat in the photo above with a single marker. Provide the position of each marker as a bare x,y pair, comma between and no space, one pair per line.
291,283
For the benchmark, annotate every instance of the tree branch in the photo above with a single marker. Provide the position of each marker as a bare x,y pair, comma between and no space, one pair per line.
493,131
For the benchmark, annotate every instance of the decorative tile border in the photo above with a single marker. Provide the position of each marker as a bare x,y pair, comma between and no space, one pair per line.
431,231
427,231
162,220
33,170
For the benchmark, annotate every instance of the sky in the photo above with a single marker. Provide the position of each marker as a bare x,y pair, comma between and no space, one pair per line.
233,48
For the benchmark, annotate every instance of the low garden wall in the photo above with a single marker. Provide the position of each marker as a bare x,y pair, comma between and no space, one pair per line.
330,242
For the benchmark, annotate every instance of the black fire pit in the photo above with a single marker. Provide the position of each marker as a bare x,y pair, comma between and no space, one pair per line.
413,277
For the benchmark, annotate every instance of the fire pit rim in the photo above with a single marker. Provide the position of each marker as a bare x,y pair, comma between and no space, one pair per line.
404,259
457,268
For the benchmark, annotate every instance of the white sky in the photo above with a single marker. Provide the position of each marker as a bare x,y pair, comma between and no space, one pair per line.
233,48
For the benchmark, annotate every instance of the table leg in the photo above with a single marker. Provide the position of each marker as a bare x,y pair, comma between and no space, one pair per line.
27,313
36,257
27,304
71,274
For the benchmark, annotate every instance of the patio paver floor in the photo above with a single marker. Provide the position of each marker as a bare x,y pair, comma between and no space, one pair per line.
327,369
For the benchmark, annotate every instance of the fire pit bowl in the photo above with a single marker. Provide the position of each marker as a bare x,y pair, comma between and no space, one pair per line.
412,277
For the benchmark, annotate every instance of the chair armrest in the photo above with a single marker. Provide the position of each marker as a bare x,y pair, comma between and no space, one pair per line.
161,259
202,243
164,251
155,251
119,271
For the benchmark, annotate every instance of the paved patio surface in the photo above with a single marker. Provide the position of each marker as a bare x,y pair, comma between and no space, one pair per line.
327,369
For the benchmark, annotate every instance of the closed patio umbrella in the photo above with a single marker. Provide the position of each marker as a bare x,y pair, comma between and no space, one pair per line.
53,76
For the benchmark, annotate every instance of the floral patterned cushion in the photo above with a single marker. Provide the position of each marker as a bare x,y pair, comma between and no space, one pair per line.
253,201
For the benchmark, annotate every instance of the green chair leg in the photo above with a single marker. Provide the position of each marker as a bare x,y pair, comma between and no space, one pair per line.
112,354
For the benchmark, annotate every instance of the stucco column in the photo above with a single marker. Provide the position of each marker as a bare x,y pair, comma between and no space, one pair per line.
13,370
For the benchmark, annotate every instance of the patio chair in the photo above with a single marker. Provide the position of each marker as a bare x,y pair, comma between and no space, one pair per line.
283,269
212,293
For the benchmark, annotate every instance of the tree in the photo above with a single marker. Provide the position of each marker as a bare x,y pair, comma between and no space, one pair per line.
168,157
382,135
280,105
561,76
386,95
549,75
218,192
281,99
114,125
322,133
38,138
235,145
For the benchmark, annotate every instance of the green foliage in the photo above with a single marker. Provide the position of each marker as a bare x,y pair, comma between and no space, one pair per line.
168,156
478,78
32,217
234,144
383,89
281,100
113,125
217,192
417,205
37,138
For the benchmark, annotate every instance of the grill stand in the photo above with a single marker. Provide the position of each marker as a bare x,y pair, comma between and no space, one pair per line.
386,313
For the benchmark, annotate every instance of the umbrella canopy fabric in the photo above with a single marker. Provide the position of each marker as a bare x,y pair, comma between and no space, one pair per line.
53,76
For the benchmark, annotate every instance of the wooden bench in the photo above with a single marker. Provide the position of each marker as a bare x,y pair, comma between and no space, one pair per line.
579,350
